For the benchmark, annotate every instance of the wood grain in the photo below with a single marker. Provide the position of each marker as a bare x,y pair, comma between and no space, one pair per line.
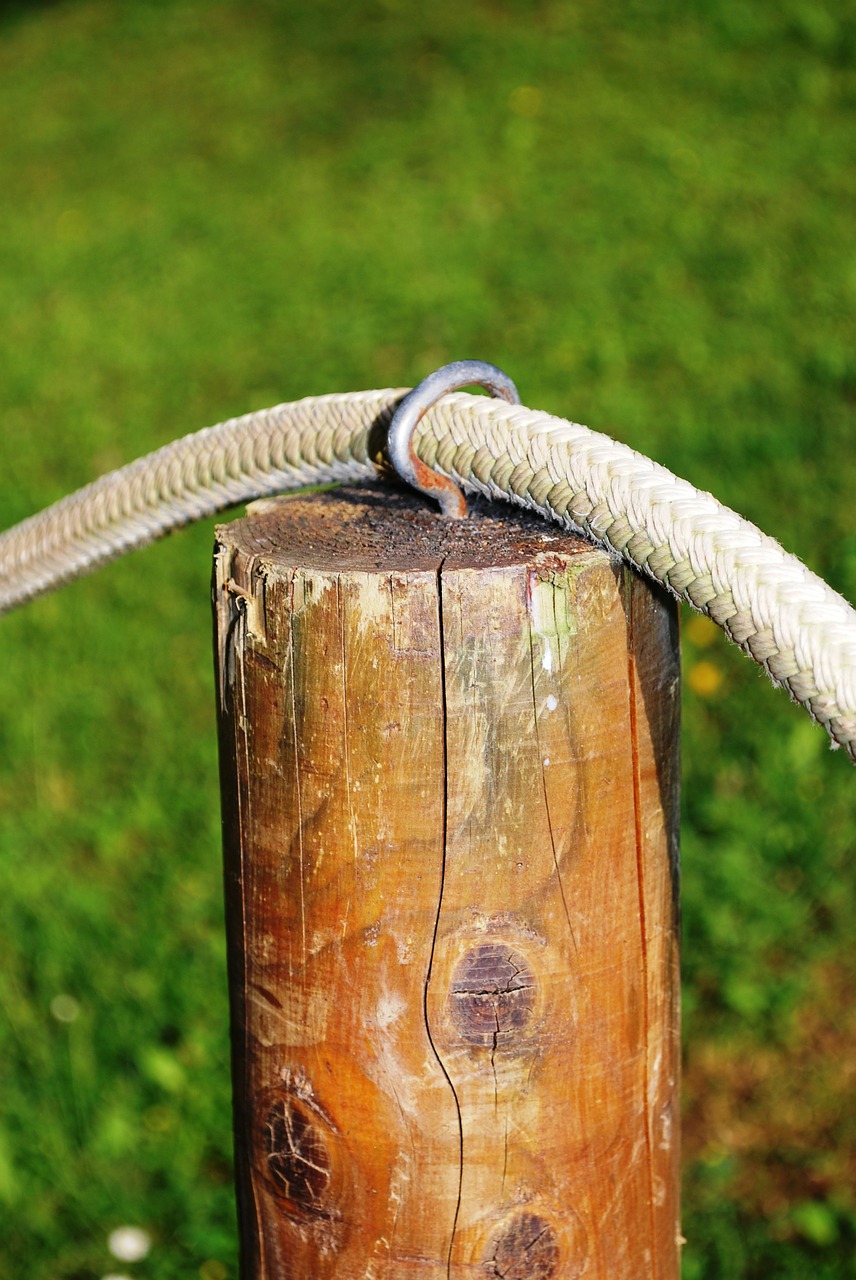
449,787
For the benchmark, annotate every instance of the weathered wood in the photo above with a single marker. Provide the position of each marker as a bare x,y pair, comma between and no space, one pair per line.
449,778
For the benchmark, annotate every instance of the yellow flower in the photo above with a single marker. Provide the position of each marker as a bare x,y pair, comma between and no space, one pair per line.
704,678
701,632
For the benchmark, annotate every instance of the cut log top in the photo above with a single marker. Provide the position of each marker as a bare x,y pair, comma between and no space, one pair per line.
382,528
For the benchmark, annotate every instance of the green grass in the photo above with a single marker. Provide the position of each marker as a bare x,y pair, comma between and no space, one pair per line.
645,213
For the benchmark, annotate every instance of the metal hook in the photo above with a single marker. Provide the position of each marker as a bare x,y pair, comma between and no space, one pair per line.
414,406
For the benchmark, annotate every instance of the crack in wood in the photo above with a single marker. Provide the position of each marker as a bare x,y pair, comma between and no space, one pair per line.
445,718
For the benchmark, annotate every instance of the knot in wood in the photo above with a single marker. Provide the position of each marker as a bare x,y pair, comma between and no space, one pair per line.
527,1249
492,995
298,1162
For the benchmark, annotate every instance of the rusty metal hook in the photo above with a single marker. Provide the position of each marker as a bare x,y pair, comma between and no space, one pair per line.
414,406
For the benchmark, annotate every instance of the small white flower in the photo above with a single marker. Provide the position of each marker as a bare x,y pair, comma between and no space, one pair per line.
115,1277
64,1008
129,1243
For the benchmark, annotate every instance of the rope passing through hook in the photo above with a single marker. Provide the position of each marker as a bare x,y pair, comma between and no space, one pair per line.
789,621
408,415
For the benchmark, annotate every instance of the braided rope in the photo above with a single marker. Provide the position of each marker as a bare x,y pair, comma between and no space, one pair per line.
781,614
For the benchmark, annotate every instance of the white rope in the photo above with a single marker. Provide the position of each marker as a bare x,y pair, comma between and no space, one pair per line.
781,614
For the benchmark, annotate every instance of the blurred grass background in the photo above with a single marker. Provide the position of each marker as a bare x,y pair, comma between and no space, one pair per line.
645,212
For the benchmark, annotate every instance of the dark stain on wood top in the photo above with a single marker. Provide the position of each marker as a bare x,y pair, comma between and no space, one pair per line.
384,528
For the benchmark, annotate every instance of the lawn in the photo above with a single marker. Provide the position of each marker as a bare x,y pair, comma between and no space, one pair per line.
645,213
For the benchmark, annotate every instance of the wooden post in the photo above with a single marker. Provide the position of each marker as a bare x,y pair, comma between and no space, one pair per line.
449,788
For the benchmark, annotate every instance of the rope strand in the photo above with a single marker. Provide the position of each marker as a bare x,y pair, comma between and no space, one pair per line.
780,614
